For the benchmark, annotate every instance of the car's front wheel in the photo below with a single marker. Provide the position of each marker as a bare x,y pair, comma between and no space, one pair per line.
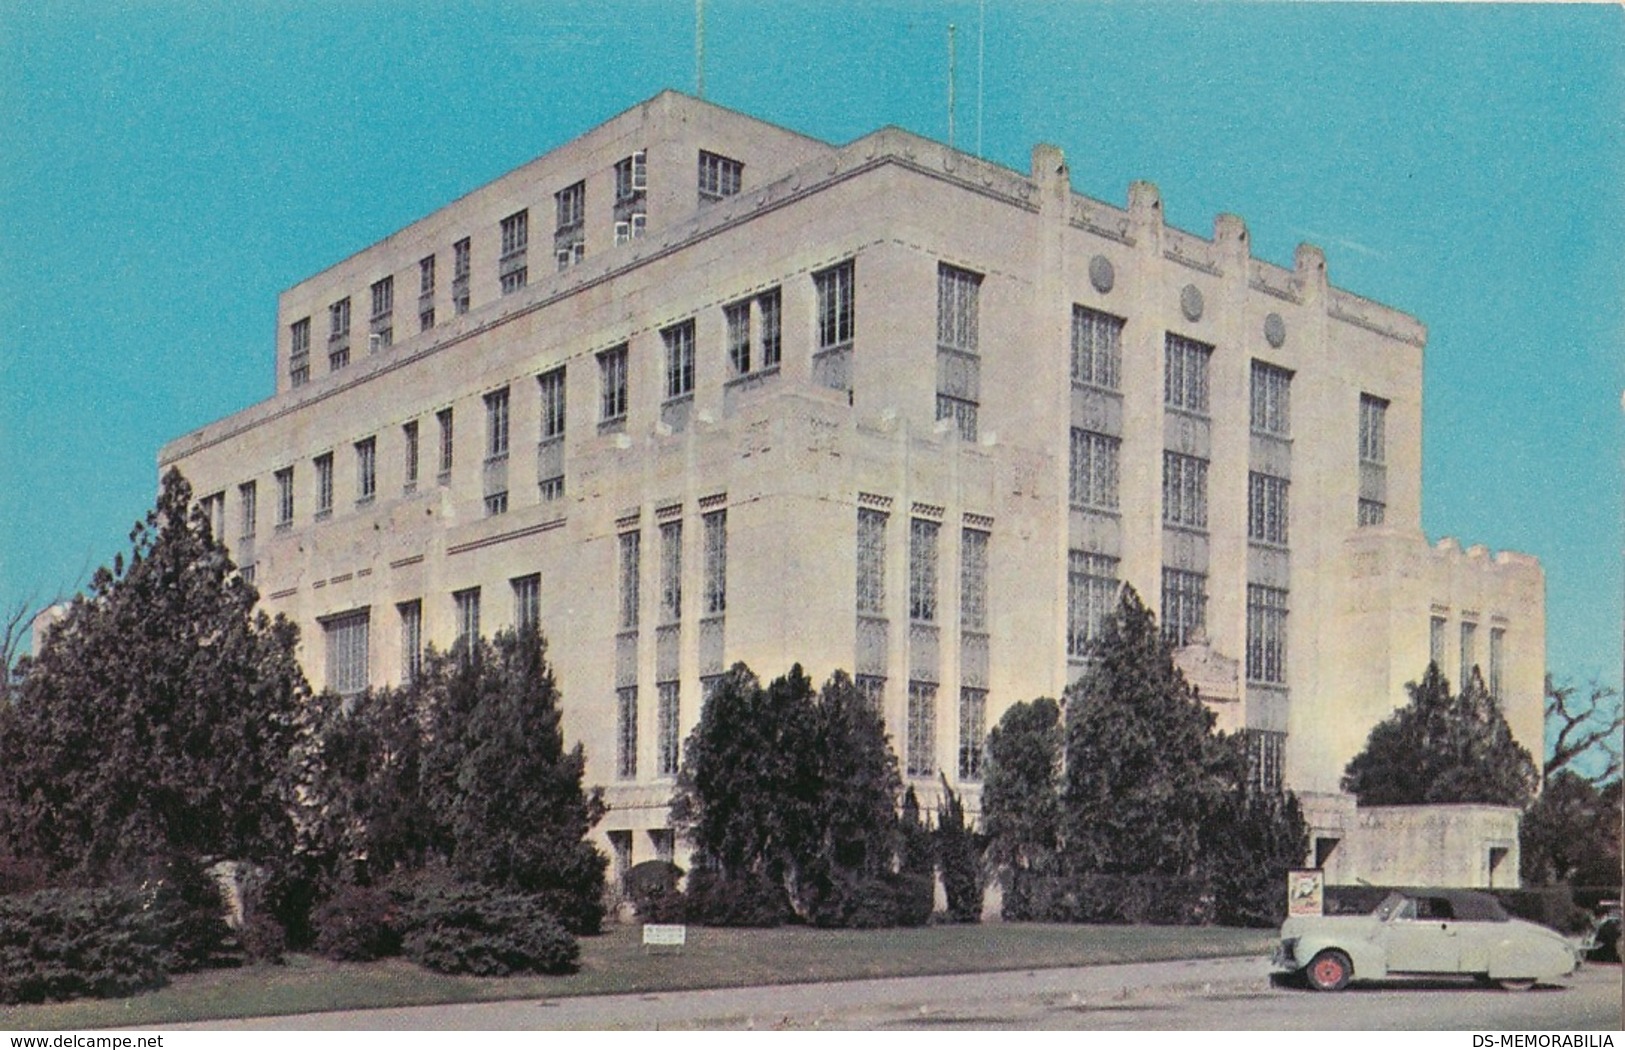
1329,971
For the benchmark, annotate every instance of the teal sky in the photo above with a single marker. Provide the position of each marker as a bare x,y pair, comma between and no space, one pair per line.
167,168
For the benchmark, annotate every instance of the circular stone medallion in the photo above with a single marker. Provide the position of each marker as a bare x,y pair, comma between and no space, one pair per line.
1102,274
1275,331
1190,302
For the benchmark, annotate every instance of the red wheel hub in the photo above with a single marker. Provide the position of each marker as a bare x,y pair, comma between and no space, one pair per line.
1328,972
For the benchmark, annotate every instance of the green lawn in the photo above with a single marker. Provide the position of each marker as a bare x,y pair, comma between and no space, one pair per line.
616,962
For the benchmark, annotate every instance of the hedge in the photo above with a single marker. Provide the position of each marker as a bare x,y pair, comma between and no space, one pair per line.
1158,900
63,944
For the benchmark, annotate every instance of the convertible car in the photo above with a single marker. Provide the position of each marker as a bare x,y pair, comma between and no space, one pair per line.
1424,932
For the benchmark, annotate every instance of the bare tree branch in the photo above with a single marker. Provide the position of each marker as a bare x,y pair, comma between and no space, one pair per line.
1589,730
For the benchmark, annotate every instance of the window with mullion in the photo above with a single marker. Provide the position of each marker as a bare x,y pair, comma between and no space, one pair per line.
496,424
958,292
629,569
922,570
1185,373
871,562
836,313
737,320
527,601
1091,594
1266,634
366,469
921,758
715,525
1266,508
1271,409
1097,348
612,368
972,732
1184,605
1094,468
671,572
1373,429
679,341
769,325
1184,490
973,580
551,385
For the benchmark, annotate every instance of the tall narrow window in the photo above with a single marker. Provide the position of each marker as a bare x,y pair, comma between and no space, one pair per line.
715,525
248,503
736,318
1266,634
1184,605
629,580
958,347
1436,641
1093,474
409,441
383,313
347,652
972,732
1373,429
443,418
921,757
496,424
1469,653
1184,490
679,340
284,497
769,325
631,177
467,605
1097,348
1091,594
214,508
570,206
871,562
719,176
527,601
922,570
425,293
1498,637
338,334
366,470
1271,410
973,580
835,307
462,262
552,390
1185,373
666,722
613,384
324,484
1266,508
671,572
299,352
515,242
626,732
411,640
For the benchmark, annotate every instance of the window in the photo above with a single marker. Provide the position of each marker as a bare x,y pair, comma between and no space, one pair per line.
719,176
1469,653
631,176
1184,605
570,206
467,605
383,313
631,228
1091,595
411,614
1266,634
214,509
496,503
1498,637
1266,751
426,293
873,690
461,264
551,385
629,558
922,570
299,352
679,359
1097,348
1185,375
552,488
1271,411
443,418
972,580
1092,479
515,241
835,306
1266,508
284,497
666,739
1373,429
626,732
409,439
671,572
921,759
613,384
1184,490
496,424
769,323
958,369
1370,512
338,336
1436,641
737,320
871,562
527,601
248,507
715,525
972,732
366,469
347,652
324,484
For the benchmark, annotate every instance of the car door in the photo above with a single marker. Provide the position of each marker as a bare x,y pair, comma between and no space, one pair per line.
1422,936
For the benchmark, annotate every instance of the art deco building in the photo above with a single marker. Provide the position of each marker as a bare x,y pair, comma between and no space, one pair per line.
693,389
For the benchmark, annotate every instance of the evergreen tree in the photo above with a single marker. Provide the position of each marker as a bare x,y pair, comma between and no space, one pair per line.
1020,801
161,716
959,859
1144,769
1442,748
1250,842
373,765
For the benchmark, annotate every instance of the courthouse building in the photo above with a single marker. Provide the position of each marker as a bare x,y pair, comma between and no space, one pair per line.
883,407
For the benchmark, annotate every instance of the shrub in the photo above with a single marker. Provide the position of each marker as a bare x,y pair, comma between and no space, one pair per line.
263,938
1160,900
959,858
63,944
189,920
487,933
22,875
358,924
652,885
750,900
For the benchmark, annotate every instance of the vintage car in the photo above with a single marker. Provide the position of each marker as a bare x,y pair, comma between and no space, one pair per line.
1424,932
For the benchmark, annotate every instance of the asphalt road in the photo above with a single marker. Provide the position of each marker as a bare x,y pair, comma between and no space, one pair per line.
1190,995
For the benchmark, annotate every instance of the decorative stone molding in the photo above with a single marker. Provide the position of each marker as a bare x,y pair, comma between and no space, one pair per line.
870,501
1102,274
926,510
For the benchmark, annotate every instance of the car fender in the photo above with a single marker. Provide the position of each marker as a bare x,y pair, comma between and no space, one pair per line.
1370,961
1526,950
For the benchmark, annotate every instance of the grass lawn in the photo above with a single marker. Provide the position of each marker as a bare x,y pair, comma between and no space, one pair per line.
616,962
